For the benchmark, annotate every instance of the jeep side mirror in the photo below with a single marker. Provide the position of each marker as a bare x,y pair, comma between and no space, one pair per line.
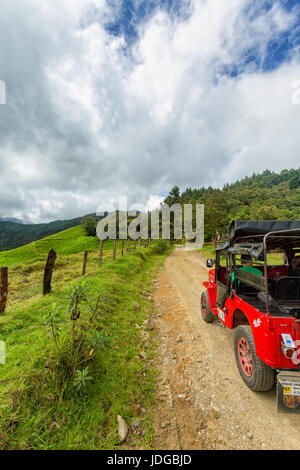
210,263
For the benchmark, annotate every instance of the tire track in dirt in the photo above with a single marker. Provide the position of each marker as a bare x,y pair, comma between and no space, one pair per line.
202,402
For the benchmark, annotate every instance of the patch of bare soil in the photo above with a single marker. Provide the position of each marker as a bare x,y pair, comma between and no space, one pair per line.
202,402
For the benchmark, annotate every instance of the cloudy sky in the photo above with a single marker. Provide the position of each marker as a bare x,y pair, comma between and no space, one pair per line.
129,97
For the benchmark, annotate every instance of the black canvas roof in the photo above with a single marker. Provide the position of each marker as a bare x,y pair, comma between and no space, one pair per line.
255,230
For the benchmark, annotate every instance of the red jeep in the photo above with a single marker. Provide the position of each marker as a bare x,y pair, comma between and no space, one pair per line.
252,290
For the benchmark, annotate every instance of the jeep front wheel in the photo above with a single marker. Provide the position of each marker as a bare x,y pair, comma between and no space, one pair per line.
256,374
207,314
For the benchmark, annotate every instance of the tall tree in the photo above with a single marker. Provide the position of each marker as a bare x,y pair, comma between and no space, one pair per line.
173,197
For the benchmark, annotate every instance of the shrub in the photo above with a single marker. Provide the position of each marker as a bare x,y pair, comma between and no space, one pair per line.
160,246
82,336
89,224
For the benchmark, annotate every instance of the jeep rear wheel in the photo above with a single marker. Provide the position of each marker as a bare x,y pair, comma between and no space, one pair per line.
207,314
256,374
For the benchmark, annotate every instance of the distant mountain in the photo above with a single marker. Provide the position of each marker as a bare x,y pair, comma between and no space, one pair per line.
11,219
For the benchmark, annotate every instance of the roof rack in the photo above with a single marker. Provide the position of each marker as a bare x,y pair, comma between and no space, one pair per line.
220,239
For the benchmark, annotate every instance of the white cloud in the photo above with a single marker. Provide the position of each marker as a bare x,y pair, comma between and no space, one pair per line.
154,202
87,119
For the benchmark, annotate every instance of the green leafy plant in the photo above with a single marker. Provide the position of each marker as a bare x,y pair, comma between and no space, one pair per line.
98,339
81,379
53,319
76,294
82,335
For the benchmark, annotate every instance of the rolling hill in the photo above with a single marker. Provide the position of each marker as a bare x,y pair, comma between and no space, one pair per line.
14,234
67,242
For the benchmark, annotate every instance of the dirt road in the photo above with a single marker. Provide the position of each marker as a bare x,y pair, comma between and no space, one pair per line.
202,402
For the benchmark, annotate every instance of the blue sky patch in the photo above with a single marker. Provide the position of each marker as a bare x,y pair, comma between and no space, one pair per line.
132,13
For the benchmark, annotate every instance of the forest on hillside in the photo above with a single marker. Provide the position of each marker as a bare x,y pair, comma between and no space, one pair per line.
265,196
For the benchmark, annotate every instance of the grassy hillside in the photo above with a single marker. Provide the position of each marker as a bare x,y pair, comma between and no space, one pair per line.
39,406
65,243
13,235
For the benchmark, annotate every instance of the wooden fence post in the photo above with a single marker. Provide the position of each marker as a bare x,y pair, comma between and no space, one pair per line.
139,245
85,260
101,253
115,250
3,289
128,245
48,272
134,247
122,247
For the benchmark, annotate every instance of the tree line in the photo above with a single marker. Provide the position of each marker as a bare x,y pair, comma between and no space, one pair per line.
264,196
